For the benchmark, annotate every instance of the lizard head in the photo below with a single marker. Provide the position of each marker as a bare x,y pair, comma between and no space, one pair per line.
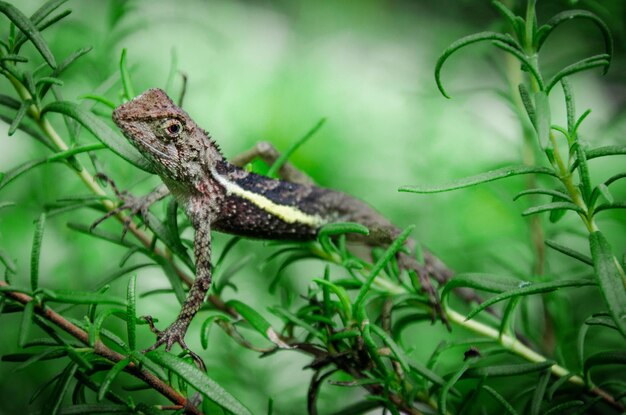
167,136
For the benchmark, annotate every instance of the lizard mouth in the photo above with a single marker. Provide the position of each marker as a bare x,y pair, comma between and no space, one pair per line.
152,149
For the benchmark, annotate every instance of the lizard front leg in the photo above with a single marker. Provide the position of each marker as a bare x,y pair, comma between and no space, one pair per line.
175,333
135,205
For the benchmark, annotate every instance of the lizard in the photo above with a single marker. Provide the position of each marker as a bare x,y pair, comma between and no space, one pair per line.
221,196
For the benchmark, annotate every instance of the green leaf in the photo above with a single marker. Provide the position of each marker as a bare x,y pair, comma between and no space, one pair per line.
292,318
382,262
5,204
508,370
530,288
63,66
528,104
288,261
172,277
208,323
339,228
601,320
551,192
445,390
120,272
13,58
507,406
49,22
342,294
129,92
54,352
516,22
557,214
95,327
370,344
540,391
199,381
44,11
227,248
580,120
98,98
478,179
480,281
603,152
7,261
562,408
26,323
30,31
48,80
580,66
617,357
81,297
611,281
258,322
171,224
19,116
395,349
605,192
131,312
107,236
36,251
110,377
401,323
10,102
542,118
569,252
552,206
92,408
557,384
607,206
506,326
466,41
570,110
293,147
427,373
565,16
15,172
101,131
60,388
170,239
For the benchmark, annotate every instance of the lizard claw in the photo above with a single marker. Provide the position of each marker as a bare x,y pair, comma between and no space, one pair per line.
135,205
175,333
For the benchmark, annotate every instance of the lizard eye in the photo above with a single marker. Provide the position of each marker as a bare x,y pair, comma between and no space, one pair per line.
173,127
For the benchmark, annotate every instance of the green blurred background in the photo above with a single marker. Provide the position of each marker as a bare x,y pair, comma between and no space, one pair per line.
269,70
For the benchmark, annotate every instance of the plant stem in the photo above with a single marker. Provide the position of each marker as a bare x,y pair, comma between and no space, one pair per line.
102,350
515,346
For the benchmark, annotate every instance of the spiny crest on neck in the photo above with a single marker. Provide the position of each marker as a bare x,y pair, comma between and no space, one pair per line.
213,143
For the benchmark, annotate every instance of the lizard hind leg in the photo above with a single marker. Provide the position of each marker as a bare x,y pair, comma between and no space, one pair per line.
264,150
169,337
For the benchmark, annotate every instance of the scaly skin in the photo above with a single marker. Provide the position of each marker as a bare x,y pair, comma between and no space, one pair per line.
217,195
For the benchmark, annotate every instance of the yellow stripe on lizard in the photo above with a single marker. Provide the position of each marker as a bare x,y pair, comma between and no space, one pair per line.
289,214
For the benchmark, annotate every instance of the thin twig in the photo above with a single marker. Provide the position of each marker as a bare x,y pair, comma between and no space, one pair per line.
102,350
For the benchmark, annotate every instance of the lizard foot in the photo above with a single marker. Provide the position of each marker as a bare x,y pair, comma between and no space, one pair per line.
135,205
175,333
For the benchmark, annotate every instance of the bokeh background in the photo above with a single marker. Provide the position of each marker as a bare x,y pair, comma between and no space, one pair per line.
269,70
